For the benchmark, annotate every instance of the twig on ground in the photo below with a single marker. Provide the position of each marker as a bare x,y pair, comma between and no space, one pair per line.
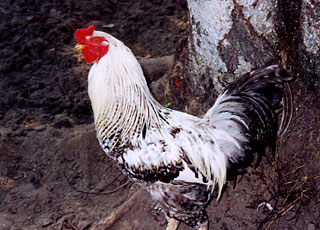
119,212
289,193
97,193
285,209
293,171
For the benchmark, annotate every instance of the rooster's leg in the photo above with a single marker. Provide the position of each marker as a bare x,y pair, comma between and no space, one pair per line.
204,226
172,224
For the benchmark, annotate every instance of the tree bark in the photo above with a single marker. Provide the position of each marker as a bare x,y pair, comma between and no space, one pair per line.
229,38
309,50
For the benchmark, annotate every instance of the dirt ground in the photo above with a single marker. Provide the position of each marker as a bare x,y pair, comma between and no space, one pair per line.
53,174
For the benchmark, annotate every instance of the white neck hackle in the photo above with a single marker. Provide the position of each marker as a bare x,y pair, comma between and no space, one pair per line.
123,108
121,101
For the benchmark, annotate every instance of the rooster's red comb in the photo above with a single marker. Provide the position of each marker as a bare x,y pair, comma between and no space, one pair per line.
81,34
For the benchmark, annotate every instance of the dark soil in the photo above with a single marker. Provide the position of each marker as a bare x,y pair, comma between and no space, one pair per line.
53,174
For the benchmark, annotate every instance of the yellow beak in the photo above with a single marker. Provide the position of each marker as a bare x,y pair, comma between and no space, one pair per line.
79,47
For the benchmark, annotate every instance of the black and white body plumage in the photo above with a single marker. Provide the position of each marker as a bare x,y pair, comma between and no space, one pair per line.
177,157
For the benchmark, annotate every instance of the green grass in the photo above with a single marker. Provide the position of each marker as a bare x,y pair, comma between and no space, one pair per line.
302,179
168,105
168,94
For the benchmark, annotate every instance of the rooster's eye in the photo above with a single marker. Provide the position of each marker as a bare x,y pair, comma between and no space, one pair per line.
95,39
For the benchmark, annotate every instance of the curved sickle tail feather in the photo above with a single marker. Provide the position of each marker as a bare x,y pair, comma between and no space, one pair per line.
268,86
265,94
288,110
247,118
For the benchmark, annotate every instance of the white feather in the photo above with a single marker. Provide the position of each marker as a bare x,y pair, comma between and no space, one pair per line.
122,103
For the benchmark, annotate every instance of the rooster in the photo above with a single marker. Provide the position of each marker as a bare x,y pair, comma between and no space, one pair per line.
177,157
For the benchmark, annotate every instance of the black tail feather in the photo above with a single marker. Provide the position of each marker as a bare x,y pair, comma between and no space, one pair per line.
287,110
272,75
267,98
269,91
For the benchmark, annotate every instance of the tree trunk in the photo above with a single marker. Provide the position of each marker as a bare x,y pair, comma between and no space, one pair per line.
309,50
229,38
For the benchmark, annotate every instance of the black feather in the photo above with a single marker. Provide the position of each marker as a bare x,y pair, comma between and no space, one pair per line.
266,95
